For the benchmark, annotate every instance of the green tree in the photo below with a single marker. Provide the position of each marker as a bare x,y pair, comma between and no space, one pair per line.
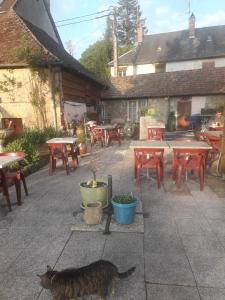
128,16
96,57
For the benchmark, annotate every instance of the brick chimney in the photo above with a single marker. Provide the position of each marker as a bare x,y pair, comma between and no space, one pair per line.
140,31
192,26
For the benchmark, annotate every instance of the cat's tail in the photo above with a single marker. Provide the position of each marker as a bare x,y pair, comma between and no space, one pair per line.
127,273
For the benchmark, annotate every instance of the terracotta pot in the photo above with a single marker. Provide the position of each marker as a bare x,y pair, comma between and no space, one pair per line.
93,213
82,148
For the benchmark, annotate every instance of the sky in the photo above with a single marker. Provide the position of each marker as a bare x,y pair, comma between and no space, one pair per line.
161,16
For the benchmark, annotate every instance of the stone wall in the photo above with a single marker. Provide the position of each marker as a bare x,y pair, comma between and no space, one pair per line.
119,108
16,101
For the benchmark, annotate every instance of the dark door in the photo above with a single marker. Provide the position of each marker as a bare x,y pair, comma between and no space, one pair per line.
184,107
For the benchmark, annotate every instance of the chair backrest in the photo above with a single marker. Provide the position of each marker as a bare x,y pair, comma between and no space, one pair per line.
192,158
214,142
148,156
98,133
155,134
57,150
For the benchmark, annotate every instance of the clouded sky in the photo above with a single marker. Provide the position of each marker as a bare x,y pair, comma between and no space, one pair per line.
161,16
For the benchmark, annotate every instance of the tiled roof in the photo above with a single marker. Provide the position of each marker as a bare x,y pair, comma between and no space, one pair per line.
13,29
177,46
59,52
207,81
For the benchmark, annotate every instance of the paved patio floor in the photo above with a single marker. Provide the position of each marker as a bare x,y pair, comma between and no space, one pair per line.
180,255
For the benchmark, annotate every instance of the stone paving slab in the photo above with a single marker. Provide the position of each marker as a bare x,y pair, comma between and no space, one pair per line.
169,292
178,254
136,226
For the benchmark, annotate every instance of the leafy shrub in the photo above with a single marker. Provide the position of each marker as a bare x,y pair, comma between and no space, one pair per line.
22,144
28,142
37,137
124,199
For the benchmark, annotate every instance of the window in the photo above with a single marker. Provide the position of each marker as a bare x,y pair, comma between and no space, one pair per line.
133,108
122,72
159,68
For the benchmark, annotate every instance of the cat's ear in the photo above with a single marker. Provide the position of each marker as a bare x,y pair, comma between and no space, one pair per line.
49,268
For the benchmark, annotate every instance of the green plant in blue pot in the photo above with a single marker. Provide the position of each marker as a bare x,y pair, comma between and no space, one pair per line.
124,207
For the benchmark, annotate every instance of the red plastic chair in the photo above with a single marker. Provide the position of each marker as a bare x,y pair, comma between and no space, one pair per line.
97,135
14,177
155,134
4,189
145,158
58,151
189,160
114,134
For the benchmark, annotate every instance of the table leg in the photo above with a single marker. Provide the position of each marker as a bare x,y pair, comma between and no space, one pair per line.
105,135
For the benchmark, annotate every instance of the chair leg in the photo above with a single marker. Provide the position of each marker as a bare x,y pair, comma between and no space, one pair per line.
138,175
179,176
24,183
18,192
6,192
66,162
8,202
201,177
158,175
50,165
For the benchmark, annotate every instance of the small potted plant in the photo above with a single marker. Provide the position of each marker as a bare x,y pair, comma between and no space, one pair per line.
124,207
81,142
94,190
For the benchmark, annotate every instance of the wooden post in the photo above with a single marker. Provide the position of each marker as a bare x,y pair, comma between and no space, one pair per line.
223,147
115,51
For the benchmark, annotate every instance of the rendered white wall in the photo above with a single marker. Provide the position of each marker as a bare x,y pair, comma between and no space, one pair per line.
197,104
220,62
145,69
183,65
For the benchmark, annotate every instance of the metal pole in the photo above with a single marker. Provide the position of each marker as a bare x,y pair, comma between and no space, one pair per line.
110,209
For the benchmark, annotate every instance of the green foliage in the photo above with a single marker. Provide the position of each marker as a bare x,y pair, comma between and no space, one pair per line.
129,129
28,142
22,144
9,84
144,111
37,137
81,138
96,58
128,13
124,199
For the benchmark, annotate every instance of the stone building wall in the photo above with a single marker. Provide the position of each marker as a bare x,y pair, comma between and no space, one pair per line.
15,98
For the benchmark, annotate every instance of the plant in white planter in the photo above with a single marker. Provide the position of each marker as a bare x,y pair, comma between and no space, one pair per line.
94,190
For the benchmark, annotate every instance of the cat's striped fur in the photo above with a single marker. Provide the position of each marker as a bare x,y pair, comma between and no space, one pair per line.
92,279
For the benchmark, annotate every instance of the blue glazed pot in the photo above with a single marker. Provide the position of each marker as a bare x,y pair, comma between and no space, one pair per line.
124,213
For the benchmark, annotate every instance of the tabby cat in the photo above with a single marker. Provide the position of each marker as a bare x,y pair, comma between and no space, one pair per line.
94,279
